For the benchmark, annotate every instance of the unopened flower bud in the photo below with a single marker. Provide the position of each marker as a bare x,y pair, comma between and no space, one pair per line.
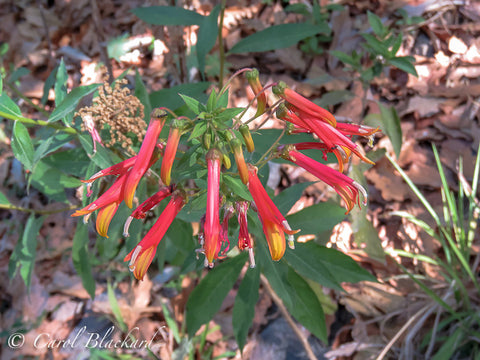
247,137
257,88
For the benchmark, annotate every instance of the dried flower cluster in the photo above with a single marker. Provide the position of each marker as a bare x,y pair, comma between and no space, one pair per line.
117,110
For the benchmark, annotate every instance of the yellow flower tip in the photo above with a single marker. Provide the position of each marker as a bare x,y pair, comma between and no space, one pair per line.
276,242
140,261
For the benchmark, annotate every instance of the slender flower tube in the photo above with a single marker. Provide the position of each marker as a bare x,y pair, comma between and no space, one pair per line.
247,137
155,126
212,222
239,159
116,169
170,151
274,224
303,104
346,187
142,255
228,213
90,127
257,88
244,239
141,211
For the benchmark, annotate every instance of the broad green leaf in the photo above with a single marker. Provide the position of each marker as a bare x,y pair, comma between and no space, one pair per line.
168,15
404,63
8,106
142,94
52,182
396,43
4,200
228,114
80,258
340,267
22,145
376,24
345,58
52,143
60,87
307,264
17,74
72,162
389,123
71,101
237,187
207,35
375,46
307,308
193,104
288,197
198,130
244,307
23,256
308,219
206,299
276,37
170,97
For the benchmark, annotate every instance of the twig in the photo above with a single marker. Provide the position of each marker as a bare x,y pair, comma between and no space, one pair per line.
35,211
68,130
276,299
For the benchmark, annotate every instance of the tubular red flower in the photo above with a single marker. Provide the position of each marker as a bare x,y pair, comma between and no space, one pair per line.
303,104
155,126
346,187
141,211
274,224
244,239
212,222
240,160
116,169
142,255
228,213
170,152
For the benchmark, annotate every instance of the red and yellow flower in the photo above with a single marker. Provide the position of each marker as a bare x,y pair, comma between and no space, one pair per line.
142,255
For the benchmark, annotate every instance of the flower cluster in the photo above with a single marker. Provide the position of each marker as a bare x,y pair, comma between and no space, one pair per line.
215,133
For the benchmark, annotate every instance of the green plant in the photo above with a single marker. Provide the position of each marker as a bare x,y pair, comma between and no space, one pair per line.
380,48
456,328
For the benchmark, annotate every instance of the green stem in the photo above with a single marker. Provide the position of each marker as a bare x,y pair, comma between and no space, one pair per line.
25,120
34,211
26,99
221,50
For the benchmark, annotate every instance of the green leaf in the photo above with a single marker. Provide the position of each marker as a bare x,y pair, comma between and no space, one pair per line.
23,256
237,187
198,130
4,200
116,46
335,97
115,308
375,46
168,15
8,106
170,97
228,114
376,24
207,35
389,123
60,87
307,264
52,182
404,63
308,219
244,307
71,101
51,144
306,307
80,258
49,83
102,158
397,42
341,267
142,94
206,299
288,197
193,104
22,145
345,58
17,74
276,37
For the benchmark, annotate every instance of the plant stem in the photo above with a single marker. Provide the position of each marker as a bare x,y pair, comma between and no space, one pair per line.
26,99
25,120
34,211
276,299
221,49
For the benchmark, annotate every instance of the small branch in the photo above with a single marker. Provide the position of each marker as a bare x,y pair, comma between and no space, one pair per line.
68,130
34,211
276,299
26,99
